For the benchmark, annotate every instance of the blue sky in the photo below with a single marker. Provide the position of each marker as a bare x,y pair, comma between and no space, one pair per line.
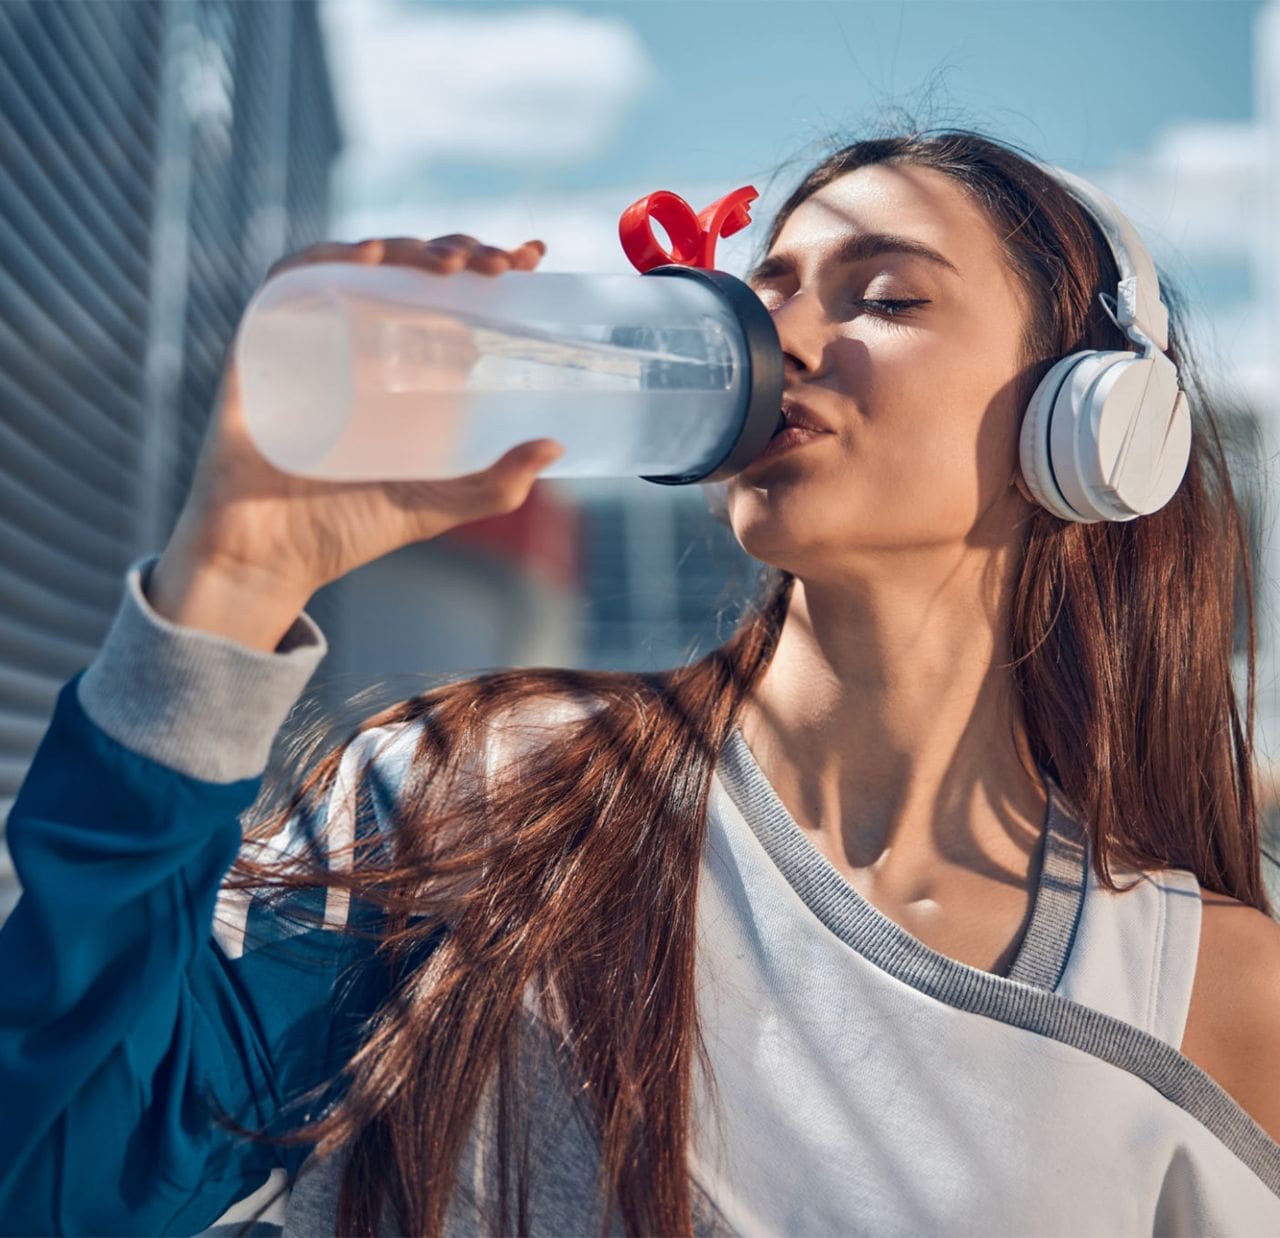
742,85
509,121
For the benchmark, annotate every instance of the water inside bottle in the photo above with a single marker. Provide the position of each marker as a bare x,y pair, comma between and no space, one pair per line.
352,389
458,390
434,435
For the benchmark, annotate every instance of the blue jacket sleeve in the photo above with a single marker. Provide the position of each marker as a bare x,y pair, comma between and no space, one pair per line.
126,1023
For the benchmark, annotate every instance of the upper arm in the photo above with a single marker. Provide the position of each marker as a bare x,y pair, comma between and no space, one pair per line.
1233,1026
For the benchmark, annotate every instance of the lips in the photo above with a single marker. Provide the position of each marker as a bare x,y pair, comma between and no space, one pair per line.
797,425
796,414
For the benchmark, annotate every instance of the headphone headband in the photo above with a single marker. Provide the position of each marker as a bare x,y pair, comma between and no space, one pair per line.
1139,310
1107,434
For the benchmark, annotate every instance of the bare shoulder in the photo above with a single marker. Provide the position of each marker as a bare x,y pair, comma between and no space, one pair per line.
1233,1024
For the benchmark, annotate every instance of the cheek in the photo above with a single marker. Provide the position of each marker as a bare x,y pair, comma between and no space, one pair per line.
932,443
883,489
927,422
953,410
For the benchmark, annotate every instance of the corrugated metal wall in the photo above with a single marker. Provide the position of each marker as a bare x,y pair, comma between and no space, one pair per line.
158,155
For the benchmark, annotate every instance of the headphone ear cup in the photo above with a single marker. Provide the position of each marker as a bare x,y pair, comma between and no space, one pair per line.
1034,444
1077,432
1106,436
1139,437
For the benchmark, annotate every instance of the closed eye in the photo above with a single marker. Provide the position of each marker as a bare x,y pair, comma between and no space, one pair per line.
891,309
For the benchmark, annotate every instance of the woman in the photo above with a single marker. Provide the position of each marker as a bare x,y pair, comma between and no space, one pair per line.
820,934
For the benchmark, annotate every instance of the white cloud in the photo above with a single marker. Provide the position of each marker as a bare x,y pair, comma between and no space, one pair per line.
1196,194
514,86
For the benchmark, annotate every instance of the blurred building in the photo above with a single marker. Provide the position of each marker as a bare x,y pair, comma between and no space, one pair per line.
158,156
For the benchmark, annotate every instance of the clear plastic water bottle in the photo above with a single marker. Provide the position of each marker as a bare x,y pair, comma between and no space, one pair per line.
354,372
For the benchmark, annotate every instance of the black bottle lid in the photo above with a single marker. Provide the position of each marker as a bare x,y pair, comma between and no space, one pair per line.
762,381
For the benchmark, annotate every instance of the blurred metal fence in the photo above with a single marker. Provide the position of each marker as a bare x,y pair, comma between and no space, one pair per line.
158,156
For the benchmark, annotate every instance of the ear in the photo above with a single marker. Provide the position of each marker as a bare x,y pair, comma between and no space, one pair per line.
1019,483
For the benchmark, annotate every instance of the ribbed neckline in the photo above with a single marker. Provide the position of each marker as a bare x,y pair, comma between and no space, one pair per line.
1027,999
1046,945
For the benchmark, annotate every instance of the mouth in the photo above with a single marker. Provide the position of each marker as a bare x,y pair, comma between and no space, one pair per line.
794,415
795,428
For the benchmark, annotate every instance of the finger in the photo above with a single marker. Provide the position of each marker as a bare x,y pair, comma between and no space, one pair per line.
522,461
527,256
509,479
500,489
432,255
489,260
454,252
535,454
455,239
443,254
372,250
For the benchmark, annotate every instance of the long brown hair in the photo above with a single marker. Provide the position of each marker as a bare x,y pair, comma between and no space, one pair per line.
572,873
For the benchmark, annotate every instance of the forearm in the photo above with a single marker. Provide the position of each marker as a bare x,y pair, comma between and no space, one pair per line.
120,1018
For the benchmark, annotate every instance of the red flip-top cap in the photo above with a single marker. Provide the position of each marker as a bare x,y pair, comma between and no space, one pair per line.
693,237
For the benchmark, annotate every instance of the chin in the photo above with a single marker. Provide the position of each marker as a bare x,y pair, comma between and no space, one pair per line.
766,537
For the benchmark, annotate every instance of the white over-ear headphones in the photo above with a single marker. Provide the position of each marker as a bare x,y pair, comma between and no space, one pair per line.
1107,435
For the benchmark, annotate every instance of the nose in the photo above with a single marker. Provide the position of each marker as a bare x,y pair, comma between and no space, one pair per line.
796,321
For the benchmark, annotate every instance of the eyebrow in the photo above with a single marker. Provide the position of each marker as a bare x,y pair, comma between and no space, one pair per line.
856,249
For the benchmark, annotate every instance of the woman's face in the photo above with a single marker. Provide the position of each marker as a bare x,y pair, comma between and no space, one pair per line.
918,397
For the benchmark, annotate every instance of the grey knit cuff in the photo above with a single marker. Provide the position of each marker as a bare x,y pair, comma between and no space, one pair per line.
202,704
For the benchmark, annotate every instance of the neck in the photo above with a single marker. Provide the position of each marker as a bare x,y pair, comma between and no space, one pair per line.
889,726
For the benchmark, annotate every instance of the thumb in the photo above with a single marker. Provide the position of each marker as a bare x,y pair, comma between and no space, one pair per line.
512,475
528,457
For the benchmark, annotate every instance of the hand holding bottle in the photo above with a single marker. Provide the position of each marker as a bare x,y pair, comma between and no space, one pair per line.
253,543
